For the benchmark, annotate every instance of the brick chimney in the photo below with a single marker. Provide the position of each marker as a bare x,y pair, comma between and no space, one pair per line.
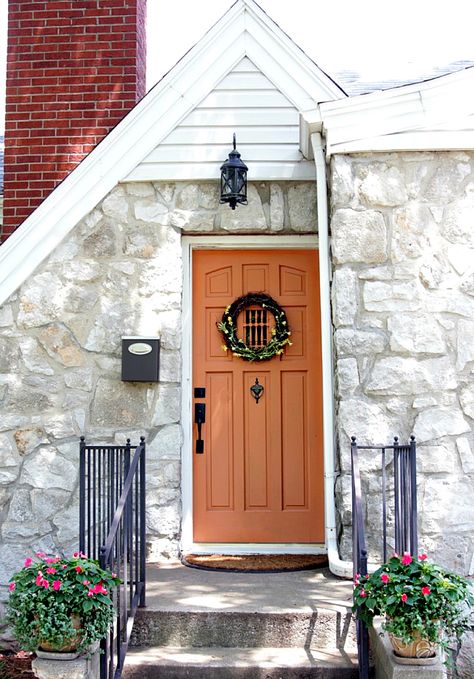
74,69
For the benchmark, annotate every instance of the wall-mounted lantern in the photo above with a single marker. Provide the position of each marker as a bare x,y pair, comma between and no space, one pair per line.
234,180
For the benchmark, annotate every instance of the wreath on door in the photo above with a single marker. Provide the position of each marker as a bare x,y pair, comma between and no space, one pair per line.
271,342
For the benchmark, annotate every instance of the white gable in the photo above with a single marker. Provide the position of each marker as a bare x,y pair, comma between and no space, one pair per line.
246,102
244,31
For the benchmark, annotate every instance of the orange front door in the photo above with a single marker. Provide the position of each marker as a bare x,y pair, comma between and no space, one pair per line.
260,475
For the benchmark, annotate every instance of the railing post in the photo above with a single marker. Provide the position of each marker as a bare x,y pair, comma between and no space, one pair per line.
414,501
142,522
82,495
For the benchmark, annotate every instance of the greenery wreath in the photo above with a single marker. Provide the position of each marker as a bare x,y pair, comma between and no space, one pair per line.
228,327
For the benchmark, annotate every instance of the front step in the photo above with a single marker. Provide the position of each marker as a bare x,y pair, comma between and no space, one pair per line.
216,625
322,629
238,663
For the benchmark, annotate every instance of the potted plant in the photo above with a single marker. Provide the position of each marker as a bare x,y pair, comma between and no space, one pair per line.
58,604
424,605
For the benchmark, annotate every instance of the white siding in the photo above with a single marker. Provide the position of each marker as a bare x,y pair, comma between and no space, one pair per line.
266,124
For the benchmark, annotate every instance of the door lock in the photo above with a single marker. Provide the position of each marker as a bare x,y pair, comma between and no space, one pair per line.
199,419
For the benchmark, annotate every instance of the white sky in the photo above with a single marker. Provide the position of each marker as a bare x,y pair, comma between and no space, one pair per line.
380,40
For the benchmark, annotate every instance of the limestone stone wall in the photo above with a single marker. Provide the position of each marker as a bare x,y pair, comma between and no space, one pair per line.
402,228
118,273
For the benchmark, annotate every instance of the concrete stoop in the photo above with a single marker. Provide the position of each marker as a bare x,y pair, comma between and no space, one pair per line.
216,625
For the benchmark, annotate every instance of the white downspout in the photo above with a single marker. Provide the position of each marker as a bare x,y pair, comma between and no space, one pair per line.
343,569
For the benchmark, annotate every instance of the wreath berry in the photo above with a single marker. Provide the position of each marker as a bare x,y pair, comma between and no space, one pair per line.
280,333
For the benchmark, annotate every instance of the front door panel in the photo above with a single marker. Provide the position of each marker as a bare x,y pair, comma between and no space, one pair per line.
260,477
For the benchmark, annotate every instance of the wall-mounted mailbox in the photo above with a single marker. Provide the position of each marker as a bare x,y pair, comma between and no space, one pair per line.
140,359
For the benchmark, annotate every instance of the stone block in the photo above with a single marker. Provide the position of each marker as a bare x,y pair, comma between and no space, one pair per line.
383,186
396,375
435,423
466,454
277,207
358,342
115,205
302,207
119,404
393,297
465,343
416,334
358,237
79,668
347,374
344,296
386,666
252,218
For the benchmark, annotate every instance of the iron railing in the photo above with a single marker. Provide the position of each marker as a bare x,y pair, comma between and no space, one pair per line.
112,530
398,477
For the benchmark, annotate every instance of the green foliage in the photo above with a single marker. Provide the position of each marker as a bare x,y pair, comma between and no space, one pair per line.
47,591
280,333
415,595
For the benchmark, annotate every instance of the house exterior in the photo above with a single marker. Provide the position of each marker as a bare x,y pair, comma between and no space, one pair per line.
376,282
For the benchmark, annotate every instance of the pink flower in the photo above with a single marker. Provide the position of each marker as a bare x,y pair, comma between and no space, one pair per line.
423,557
90,592
86,582
56,584
28,562
52,559
39,579
425,591
50,570
363,593
404,597
406,559
385,578
99,589
12,586
45,584
75,555
40,555
78,569
114,575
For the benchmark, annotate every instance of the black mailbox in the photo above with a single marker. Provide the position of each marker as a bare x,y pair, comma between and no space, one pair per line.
140,359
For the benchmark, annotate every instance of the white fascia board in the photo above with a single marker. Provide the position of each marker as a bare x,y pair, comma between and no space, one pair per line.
438,140
410,108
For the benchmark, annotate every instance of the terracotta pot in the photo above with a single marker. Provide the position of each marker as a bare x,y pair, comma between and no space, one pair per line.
417,648
70,645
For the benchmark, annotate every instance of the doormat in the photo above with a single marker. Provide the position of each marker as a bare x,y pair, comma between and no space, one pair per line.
255,563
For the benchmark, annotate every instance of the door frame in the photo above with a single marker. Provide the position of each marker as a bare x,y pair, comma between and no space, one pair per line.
190,243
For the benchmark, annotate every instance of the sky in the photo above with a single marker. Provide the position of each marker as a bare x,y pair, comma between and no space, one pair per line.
379,40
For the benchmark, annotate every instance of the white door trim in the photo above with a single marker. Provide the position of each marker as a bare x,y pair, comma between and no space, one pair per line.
190,243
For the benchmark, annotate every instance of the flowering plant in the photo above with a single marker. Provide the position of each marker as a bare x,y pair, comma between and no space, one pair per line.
51,596
415,596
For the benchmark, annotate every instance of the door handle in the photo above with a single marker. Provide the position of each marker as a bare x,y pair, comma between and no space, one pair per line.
199,419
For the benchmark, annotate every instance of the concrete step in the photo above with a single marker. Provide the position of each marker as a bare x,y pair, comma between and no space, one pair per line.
238,663
322,628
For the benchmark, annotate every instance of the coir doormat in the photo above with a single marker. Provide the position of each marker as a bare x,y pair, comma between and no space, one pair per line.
255,563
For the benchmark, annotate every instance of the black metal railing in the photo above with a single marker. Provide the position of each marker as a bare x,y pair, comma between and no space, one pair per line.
398,481
112,530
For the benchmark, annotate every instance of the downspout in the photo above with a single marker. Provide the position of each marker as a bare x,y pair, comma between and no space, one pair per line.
343,569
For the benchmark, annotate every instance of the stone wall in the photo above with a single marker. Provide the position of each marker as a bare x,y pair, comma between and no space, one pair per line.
118,273
403,311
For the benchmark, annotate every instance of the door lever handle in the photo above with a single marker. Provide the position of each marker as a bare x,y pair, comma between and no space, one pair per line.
199,419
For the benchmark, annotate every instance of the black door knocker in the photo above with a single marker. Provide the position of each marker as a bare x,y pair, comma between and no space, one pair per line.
257,390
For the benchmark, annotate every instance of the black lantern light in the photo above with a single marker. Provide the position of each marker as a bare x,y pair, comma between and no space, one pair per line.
234,180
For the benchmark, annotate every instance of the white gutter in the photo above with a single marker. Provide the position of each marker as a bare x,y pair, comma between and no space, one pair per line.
343,569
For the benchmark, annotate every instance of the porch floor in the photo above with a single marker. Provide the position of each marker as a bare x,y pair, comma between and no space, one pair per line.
174,587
